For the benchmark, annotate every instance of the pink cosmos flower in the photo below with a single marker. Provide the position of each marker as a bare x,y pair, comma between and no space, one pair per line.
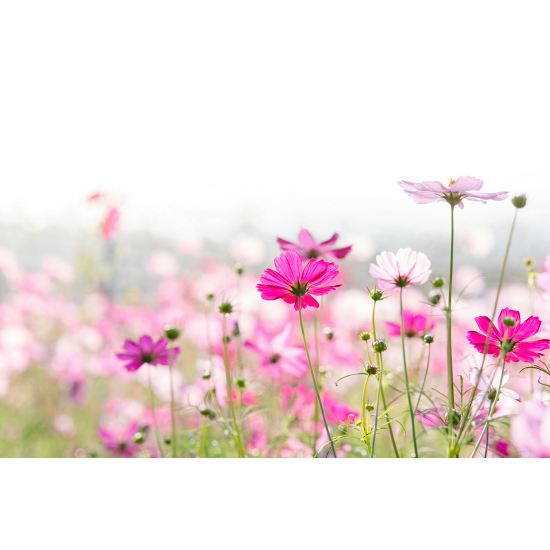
465,187
146,351
414,325
531,430
488,387
276,353
110,224
308,247
522,350
120,442
292,281
400,270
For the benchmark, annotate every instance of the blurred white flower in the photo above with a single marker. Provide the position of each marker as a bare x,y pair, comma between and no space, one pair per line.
247,249
163,264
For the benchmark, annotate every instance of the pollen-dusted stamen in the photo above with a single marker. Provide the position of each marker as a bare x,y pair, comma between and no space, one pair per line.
451,181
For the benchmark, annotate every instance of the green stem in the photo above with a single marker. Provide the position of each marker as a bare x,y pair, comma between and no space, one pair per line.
313,377
317,365
425,376
364,414
393,442
152,397
172,404
230,390
468,419
492,408
377,406
406,375
450,387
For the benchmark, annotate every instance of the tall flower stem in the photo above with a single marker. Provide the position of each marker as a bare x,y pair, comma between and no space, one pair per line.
466,419
313,377
492,408
393,442
376,414
450,386
230,390
172,403
406,374
364,423
316,370
152,397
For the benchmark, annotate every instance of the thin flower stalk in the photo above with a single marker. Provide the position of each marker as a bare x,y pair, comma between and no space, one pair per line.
313,377
450,378
376,414
174,453
155,425
424,380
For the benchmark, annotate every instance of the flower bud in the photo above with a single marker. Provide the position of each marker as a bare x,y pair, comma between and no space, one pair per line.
519,201
204,410
172,332
210,297
527,262
168,441
428,338
371,369
376,294
226,339
329,335
236,331
492,395
239,269
211,415
509,322
438,282
379,346
456,417
365,336
206,374
435,297
139,437
225,308
241,382
369,407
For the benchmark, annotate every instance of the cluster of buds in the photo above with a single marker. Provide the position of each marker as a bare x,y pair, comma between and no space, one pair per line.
205,411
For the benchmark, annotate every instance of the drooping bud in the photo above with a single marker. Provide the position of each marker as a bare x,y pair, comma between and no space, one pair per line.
519,201
379,346
438,282
509,322
428,338
365,336
435,297
329,335
172,332
225,308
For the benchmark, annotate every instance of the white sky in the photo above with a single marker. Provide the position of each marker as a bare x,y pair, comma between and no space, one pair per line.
202,115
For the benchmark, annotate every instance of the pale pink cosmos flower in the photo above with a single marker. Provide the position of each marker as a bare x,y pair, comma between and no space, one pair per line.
120,442
531,430
488,387
309,248
465,187
276,353
292,281
400,270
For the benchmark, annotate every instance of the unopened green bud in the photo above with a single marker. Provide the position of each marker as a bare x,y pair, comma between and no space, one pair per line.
206,374
492,395
226,339
365,336
172,332
438,282
225,308
456,417
329,335
379,346
139,437
204,410
239,269
369,407
236,331
428,338
527,262
435,297
371,369
376,294
509,322
519,201
241,382
210,297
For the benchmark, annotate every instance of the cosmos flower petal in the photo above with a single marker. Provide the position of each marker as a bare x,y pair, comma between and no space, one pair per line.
306,240
464,184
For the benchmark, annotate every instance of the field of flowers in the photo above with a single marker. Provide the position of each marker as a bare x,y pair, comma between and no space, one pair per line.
289,363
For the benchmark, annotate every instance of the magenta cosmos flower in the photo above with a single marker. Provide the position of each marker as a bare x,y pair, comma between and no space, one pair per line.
120,442
146,351
292,281
308,247
400,270
521,349
465,187
414,325
276,353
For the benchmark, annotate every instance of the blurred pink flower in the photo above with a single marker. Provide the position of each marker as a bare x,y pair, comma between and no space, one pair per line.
146,351
531,430
276,353
291,280
522,350
488,387
465,187
120,442
110,224
414,325
543,279
400,270
308,247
